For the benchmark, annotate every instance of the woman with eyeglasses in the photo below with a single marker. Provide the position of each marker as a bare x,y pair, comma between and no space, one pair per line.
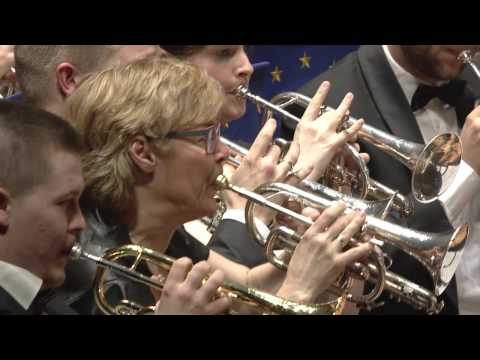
316,140
151,130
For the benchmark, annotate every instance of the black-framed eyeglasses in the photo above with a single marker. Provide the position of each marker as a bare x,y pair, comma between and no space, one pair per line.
210,135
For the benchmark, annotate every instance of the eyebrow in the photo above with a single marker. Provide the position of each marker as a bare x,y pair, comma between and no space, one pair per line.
72,193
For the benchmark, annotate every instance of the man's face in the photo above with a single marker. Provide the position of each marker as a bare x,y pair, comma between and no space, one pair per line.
125,54
44,222
436,63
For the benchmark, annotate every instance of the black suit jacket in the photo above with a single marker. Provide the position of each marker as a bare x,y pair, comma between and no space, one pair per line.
233,241
47,302
380,100
9,306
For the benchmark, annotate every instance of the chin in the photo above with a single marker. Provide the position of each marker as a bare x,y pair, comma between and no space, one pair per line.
451,72
56,279
235,111
449,68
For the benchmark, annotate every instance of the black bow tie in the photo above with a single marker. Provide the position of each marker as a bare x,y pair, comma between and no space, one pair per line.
450,93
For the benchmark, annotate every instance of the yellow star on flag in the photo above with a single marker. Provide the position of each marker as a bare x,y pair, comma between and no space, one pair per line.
305,61
276,73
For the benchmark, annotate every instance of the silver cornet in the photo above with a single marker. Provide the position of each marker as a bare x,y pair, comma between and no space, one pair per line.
439,253
466,57
378,208
433,165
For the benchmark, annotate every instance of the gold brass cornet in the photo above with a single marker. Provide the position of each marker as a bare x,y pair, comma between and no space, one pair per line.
433,166
439,253
260,301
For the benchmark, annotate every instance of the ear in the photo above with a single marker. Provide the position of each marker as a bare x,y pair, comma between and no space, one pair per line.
142,154
4,210
67,78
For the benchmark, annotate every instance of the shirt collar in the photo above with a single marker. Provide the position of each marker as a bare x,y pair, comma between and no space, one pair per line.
407,81
21,284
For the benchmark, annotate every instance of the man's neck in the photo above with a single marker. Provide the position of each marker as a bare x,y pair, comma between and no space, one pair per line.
55,108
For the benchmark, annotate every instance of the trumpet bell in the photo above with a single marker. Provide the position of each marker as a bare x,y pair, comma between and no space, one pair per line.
436,167
450,259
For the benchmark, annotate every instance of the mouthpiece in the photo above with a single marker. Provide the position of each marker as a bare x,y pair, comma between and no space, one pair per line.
222,182
76,252
465,56
242,90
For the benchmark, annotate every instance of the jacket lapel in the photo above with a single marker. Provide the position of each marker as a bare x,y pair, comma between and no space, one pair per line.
387,94
8,305
466,105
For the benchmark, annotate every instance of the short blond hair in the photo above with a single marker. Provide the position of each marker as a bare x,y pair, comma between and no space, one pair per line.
150,97
35,65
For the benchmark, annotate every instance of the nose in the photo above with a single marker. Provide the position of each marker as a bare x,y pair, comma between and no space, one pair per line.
78,222
245,68
222,152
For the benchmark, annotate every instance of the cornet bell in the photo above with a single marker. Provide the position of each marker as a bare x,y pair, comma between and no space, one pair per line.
436,167
451,258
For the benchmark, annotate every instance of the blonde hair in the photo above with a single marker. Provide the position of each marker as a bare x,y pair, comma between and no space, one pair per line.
150,97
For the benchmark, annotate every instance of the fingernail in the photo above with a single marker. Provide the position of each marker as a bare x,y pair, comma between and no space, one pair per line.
325,85
349,96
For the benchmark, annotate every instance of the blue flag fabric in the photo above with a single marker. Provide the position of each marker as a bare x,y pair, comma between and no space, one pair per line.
280,68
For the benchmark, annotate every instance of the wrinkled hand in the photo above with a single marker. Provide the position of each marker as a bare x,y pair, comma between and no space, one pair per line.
185,294
319,257
471,140
318,137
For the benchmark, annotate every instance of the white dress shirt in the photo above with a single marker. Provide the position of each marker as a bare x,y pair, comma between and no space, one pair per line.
199,230
461,201
21,284
239,215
